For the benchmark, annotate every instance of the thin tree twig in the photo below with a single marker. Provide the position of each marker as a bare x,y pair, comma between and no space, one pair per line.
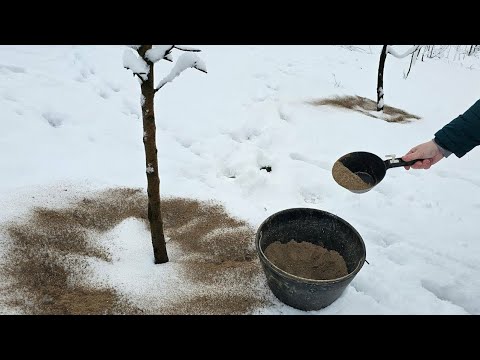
185,49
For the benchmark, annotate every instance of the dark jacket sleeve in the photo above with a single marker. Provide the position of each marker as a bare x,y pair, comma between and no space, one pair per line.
462,134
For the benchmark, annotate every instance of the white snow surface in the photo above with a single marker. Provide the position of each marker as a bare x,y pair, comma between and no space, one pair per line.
71,122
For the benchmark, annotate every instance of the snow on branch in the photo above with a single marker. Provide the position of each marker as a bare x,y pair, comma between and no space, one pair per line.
134,47
158,52
391,51
135,63
184,61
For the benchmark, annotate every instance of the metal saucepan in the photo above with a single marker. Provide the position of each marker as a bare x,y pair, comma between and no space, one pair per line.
361,171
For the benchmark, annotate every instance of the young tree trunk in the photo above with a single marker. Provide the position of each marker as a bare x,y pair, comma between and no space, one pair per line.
151,162
471,50
381,66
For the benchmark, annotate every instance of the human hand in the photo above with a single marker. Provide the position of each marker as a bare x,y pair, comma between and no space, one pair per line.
429,152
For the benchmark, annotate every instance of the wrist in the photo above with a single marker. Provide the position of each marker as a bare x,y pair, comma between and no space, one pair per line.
446,153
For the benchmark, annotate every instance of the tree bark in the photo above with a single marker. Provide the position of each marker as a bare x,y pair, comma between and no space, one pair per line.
151,163
381,67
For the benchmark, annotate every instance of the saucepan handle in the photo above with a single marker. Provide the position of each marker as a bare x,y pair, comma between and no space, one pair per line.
398,162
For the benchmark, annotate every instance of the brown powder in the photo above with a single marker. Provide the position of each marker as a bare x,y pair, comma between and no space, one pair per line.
307,260
220,271
349,180
367,107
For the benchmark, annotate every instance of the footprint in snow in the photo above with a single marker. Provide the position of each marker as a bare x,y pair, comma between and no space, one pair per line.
186,143
282,115
103,94
450,294
9,97
272,86
130,108
77,56
310,197
80,78
54,119
397,259
287,71
265,92
86,70
6,69
112,86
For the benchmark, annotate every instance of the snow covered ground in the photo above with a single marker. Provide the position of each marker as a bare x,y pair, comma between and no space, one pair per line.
70,120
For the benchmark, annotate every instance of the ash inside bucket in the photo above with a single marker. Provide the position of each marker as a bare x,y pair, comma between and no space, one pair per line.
307,260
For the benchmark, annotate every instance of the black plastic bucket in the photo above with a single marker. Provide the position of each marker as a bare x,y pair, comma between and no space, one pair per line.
317,227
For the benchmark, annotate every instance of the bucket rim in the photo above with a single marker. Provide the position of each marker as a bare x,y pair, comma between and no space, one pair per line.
351,275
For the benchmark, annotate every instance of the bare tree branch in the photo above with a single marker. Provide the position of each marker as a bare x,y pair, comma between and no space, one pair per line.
168,57
140,76
412,61
471,50
186,48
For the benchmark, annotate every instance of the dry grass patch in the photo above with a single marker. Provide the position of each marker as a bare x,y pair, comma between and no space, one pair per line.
367,107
